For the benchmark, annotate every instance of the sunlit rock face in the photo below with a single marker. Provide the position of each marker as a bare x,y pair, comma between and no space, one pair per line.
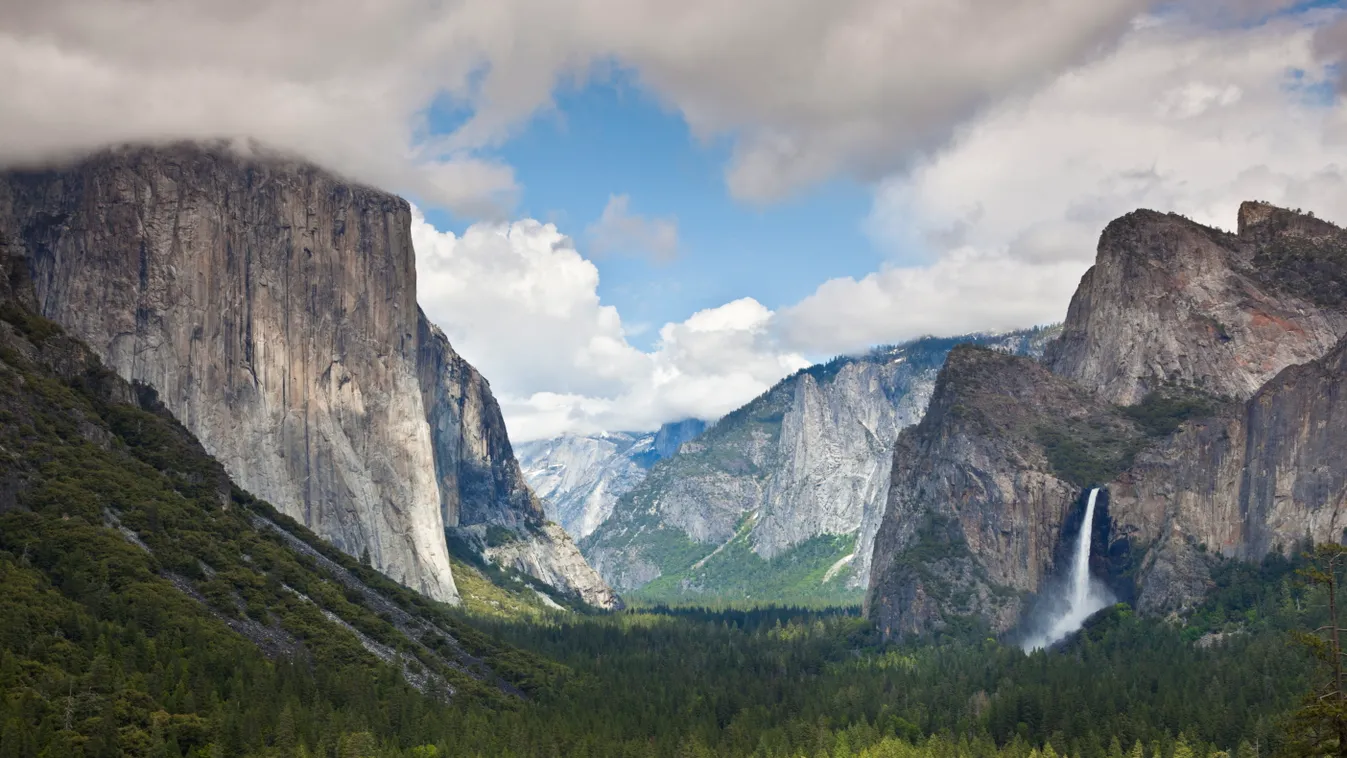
273,307
1251,323
1169,300
580,477
809,457
1262,475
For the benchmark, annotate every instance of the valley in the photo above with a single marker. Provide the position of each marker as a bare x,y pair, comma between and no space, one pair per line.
256,504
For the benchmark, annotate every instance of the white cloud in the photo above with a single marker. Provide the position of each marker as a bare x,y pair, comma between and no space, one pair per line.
520,303
1016,129
807,88
1176,119
620,232
340,83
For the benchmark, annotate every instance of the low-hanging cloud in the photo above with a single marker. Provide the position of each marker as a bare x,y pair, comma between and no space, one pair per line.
805,88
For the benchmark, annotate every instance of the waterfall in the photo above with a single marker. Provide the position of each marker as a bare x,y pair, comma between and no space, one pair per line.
1082,597
1080,570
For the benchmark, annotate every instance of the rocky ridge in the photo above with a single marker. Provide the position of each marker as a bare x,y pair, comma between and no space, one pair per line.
580,477
1224,312
273,307
790,483
1197,377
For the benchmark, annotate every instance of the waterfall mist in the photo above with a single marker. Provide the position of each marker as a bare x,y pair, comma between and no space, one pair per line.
1081,596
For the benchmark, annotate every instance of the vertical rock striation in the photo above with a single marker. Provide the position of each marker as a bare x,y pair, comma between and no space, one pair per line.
1262,475
581,477
479,479
976,504
808,459
273,307
982,486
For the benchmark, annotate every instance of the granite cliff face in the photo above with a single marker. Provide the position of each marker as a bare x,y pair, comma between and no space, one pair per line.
1259,476
580,477
1175,385
791,484
976,505
1169,300
273,307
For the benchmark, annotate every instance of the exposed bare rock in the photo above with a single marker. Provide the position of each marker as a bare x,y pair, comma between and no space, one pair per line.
1261,476
1239,331
1169,300
976,507
580,477
808,459
273,307
480,480
545,552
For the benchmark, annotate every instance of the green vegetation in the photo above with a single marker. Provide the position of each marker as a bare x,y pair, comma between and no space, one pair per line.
32,326
736,574
1310,267
499,536
489,589
741,444
1319,727
1088,452
1092,451
939,558
149,608
1162,411
781,682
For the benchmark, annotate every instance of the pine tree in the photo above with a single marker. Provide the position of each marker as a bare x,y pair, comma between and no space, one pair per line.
1320,726
285,731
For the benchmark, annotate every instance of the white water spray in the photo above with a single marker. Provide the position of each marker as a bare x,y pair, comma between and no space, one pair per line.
1083,598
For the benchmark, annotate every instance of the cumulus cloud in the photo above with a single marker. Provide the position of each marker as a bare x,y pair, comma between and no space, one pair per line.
806,88
1177,118
620,232
521,304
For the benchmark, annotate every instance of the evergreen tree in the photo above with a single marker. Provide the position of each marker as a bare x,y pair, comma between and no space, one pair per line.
1320,726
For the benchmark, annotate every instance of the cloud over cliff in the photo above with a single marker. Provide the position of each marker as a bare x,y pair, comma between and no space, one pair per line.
805,88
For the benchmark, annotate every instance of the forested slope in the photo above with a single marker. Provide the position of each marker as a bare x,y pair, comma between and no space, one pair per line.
150,607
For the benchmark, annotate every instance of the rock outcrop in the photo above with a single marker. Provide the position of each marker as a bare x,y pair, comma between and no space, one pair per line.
1171,301
273,307
479,480
1197,378
580,477
1263,475
976,504
809,459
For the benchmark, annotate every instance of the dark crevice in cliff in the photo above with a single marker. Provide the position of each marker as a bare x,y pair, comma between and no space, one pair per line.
1112,557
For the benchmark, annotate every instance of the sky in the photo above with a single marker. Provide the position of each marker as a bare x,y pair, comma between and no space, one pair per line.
629,212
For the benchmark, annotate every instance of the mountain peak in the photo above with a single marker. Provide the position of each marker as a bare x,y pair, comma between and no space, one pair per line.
1260,219
1172,301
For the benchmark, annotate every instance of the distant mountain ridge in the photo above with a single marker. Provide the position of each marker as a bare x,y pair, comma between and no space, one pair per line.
580,477
780,499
